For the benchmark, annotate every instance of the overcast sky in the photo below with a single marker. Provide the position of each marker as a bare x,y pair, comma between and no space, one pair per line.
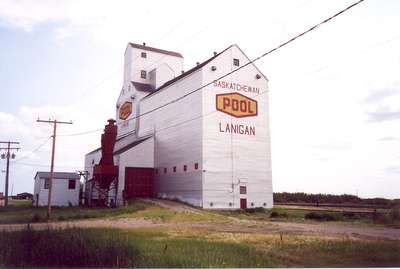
334,93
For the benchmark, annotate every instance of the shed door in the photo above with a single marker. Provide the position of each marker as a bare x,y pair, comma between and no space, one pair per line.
243,203
138,182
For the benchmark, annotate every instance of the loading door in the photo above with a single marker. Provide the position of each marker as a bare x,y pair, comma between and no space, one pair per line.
138,182
243,203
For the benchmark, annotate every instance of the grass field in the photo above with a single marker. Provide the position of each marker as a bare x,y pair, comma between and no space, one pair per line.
187,248
23,213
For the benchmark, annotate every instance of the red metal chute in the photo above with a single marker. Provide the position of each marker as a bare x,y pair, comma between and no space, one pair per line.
106,172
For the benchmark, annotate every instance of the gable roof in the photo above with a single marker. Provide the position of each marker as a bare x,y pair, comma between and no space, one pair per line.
187,73
59,175
167,52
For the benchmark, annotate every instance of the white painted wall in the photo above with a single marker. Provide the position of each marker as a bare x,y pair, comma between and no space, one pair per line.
141,155
61,195
231,160
177,133
134,63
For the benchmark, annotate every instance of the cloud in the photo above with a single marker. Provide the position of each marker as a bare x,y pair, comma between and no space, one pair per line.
383,114
378,96
390,138
333,145
393,169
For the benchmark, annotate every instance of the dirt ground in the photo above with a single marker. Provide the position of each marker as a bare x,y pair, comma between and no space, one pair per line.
236,225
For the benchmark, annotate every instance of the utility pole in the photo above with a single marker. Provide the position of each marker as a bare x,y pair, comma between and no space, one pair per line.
54,122
4,156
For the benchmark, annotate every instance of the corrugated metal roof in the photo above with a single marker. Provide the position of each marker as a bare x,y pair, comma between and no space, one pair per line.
131,145
197,67
143,86
60,175
167,52
124,143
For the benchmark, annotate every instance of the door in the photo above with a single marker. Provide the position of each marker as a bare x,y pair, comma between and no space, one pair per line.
138,182
243,203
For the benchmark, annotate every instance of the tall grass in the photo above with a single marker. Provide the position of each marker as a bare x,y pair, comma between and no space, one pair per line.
188,248
118,248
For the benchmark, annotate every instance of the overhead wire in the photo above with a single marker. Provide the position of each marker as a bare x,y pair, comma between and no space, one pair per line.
314,27
33,151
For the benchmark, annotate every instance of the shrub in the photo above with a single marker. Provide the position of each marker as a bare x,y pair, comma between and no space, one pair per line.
275,214
254,210
36,218
394,214
320,216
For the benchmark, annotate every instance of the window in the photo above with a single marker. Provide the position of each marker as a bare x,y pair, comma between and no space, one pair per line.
143,55
156,170
174,169
143,74
71,184
236,62
165,170
185,167
46,183
243,190
196,166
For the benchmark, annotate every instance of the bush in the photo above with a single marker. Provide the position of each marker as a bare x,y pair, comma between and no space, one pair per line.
351,215
275,214
37,218
320,216
255,210
394,214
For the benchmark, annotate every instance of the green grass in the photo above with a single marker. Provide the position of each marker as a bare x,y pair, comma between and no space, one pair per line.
135,209
289,214
27,214
187,248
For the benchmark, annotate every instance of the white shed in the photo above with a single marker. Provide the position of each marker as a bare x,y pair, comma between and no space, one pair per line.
65,189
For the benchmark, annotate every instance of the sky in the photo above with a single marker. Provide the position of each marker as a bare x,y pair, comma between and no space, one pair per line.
334,93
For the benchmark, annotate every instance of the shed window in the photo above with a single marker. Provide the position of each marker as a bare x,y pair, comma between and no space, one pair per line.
165,170
46,183
174,169
143,74
196,166
236,62
185,167
71,184
143,55
243,190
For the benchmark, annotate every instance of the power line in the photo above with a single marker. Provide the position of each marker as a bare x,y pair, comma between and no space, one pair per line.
251,61
54,122
241,67
33,151
7,156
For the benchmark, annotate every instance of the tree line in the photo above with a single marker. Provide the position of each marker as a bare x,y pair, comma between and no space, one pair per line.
301,197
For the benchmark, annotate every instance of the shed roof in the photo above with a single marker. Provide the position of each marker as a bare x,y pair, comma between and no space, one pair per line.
143,86
167,52
59,175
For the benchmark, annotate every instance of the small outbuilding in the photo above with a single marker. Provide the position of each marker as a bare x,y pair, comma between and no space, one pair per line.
65,189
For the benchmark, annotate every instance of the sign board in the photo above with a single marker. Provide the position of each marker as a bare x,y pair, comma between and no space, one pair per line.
237,105
125,110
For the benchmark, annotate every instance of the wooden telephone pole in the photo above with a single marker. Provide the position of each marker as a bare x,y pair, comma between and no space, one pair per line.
54,122
7,156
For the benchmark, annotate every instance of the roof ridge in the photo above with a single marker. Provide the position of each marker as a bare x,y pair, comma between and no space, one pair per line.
144,47
195,68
